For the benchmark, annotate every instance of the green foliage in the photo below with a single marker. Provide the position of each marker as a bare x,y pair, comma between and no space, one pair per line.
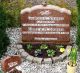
1,71
74,16
13,10
4,40
37,51
59,46
60,3
78,26
29,46
64,4
50,53
44,46
73,57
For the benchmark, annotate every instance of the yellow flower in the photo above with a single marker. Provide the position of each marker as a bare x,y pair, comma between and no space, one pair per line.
62,49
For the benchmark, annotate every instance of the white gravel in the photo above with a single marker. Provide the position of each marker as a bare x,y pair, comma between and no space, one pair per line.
28,67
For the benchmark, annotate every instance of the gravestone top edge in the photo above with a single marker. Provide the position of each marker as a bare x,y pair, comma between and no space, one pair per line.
53,7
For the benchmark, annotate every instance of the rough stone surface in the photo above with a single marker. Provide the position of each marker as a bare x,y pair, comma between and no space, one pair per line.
21,50
24,54
29,58
59,67
14,35
68,50
47,61
19,46
37,60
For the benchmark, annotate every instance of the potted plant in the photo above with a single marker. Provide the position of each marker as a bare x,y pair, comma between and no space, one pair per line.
72,64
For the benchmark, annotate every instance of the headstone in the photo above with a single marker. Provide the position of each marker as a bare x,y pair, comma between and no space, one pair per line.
10,62
45,24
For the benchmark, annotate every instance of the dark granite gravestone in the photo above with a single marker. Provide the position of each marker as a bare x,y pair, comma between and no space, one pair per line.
45,24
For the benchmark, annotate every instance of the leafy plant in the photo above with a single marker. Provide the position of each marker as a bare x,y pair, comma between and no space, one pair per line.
50,53
44,46
37,52
59,46
73,57
62,50
29,46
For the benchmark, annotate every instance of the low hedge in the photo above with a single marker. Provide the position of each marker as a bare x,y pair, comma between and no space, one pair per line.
78,26
4,40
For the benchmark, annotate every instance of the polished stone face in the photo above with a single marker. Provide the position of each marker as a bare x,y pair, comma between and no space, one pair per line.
10,62
49,24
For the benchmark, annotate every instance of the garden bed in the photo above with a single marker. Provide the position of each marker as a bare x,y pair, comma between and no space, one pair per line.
44,50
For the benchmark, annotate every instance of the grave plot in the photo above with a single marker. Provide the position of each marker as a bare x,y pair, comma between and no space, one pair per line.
46,31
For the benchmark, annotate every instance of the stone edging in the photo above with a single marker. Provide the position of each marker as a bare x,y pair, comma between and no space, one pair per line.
28,57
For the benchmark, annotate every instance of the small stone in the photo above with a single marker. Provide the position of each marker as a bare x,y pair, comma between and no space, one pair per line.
61,57
19,46
21,50
24,54
68,50
55,59
30,58
38,60
47,60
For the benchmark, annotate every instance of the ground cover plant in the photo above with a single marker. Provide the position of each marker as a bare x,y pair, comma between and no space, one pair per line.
44,50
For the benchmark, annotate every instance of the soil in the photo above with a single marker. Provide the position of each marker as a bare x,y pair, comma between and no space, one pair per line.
43,52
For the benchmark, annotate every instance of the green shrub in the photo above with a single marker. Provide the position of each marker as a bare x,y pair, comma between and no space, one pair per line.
4,40
13,10
78,26
74,16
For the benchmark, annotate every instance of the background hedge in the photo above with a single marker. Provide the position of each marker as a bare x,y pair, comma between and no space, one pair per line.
4,40
13,8
78,26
